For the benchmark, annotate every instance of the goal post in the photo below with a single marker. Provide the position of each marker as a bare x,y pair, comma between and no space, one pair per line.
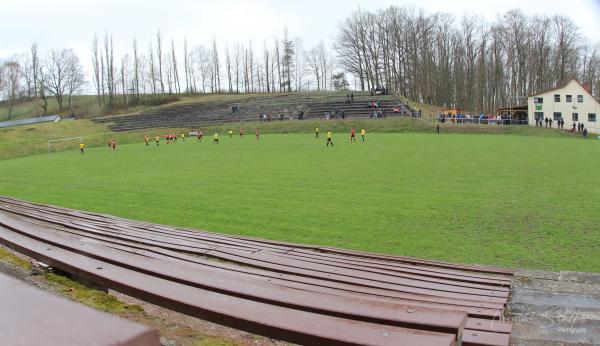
62,140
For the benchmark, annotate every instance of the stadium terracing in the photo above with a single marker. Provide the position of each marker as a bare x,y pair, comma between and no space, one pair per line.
249,109
303,294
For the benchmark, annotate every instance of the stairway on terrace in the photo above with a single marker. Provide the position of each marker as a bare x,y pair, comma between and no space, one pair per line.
360,107
290,106
198,114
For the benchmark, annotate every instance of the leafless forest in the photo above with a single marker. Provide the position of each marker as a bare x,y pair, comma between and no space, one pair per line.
442,60
433,58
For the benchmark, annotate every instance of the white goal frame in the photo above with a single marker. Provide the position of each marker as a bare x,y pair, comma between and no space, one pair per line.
62,140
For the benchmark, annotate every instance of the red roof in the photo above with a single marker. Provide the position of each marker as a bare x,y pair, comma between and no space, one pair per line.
564,85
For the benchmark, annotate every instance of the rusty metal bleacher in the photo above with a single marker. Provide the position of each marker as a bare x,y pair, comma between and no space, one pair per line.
302,294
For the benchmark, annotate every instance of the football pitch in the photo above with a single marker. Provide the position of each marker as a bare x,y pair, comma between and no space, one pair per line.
505,200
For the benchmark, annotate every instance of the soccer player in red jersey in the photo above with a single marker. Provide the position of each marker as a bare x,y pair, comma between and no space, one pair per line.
352,135
241,132
257,134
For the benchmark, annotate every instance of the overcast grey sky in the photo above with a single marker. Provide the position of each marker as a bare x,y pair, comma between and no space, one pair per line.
72,23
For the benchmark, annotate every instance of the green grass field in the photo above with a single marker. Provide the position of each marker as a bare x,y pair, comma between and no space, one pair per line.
506,200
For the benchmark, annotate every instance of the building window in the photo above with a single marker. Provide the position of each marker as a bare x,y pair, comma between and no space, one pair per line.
569,98
592,117
538,100
575,116
580,98
556,98
557,116
539,116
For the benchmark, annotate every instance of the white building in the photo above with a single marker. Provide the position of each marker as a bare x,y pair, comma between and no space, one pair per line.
572,102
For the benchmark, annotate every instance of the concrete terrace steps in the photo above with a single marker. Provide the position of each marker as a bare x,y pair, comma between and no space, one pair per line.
206,113
198,114
359,108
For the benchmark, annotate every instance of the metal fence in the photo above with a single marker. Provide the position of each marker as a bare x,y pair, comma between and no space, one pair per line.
481,121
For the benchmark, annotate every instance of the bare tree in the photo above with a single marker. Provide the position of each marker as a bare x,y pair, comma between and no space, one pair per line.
136,70
160,66
298,63
287,60
186,66
110,70
202,65
62,75
216,74
123,79
26,74
278,59
314,62
74,77
174,65
238,57
35,66
250,67
567,48
42,89
11,71
55,75
152,68
266,56
97,72
228,68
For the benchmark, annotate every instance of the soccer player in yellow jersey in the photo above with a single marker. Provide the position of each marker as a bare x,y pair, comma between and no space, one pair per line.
157,138
81,147
329,138
363,133
183,137
230,134
216,139
316,132
146,140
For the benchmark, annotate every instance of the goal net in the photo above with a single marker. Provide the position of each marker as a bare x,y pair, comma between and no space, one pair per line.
64,144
